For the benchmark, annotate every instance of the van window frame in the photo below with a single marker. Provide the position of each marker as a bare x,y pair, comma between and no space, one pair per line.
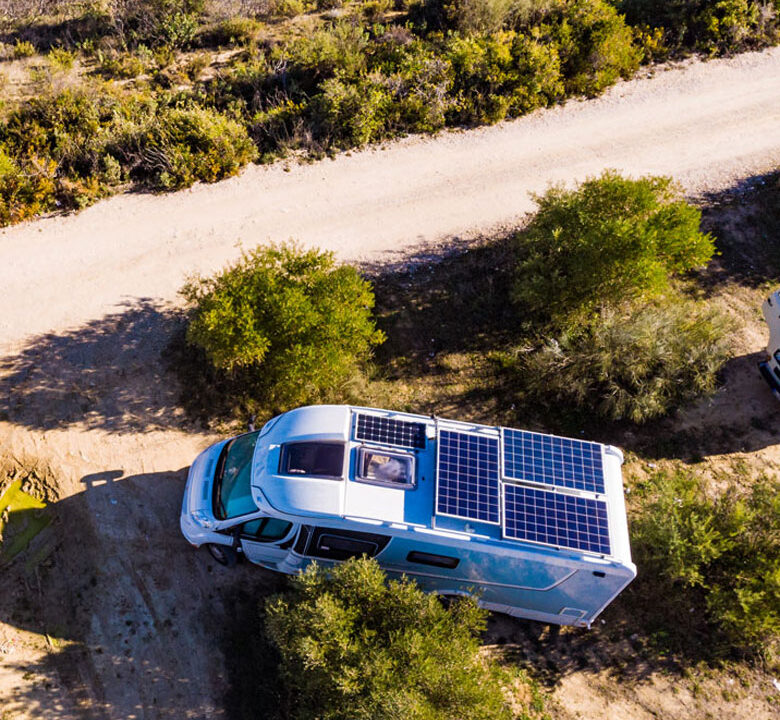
315,536
285,454
263,519
363,450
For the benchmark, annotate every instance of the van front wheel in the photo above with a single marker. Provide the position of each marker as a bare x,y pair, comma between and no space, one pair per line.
223,554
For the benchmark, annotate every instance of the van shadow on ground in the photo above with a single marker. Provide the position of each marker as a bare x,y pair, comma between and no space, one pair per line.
106,374
138,615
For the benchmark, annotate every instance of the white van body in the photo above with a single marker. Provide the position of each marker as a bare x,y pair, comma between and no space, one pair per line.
770,368
533,525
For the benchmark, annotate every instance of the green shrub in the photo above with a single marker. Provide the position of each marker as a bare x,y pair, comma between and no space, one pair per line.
340,48
65,127
23,49
728,26
158,22
354,646
375,10
713,26
609,240
502,74
25,190
292,322
478,16
61,59
120,65
595,45
635,364
178,29
727,548
288,8
177,147
232,31
351,114
419,82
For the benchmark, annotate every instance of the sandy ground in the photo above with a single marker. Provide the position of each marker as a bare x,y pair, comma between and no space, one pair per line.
122,620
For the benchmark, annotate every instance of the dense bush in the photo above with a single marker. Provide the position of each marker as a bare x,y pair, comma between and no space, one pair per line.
339,80
609,240
728,549
712,26
291,322
595,45
25,190
356,647
177,147
635,363
502,75
73,147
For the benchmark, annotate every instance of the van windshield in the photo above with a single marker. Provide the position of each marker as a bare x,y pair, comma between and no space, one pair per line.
233,487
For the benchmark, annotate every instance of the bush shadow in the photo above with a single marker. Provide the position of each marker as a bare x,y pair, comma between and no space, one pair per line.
67,33
745,220
106,374
129,619
446,301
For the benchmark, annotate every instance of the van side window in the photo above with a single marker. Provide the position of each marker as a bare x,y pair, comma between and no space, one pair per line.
443,561
265,529
313,458
332,544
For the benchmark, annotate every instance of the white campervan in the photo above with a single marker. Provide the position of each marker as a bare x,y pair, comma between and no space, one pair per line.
770,368
533,525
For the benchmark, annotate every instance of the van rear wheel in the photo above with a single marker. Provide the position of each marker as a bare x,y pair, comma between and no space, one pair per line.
223,554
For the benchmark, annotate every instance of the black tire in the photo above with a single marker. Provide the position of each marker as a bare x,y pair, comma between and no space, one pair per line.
223,554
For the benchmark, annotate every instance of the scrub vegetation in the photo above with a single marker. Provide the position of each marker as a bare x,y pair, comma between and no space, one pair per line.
285,325
354,645
588,314
721,552
612,332
159,94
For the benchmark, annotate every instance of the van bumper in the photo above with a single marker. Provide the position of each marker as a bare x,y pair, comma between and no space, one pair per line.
769,376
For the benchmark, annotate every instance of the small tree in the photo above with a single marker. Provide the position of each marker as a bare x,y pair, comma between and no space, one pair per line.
293,323
609,240
728,549
356,647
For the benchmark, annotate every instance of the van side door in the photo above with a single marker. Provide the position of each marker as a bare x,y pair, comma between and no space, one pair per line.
266,540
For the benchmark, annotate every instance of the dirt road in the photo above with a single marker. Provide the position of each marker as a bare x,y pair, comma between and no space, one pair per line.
707,124
121,619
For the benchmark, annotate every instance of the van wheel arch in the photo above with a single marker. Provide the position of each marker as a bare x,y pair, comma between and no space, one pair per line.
223,554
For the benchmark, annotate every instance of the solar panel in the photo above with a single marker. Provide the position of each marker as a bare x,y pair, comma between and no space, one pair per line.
468,476
556,519
549,460
389,431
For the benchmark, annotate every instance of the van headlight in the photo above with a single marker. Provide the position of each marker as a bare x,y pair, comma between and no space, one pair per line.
202,518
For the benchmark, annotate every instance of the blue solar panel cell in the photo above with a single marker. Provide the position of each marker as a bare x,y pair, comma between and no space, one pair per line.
553,518
468,476
550,460
389,431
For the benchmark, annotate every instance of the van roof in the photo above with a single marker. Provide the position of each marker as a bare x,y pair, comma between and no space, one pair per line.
496,483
